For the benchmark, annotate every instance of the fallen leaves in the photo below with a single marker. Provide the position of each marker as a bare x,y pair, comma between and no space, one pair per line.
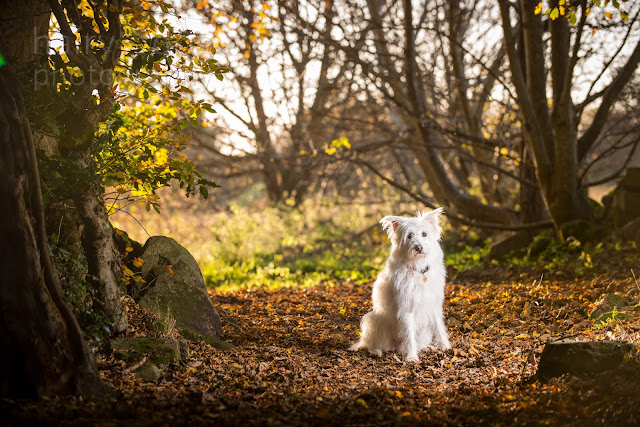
292,366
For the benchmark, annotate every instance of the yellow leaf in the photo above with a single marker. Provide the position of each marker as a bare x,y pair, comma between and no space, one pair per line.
362,402
594,31
538,8
608,15
504,151
587,11
561,10
129,249
398,394
138,262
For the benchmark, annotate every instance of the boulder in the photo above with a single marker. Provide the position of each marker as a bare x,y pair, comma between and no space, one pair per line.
513,245
573,357
175,287
148,372
631,231
160,351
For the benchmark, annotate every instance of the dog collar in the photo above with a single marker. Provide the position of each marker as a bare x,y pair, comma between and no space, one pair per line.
423,271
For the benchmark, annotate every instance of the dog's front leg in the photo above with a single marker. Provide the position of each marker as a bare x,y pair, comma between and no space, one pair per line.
441,334
408,322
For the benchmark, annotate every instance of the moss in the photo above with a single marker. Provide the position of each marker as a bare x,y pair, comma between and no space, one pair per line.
194,336
148,372
160,351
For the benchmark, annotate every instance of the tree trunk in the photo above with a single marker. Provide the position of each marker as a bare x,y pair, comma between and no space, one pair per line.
43,351
23,38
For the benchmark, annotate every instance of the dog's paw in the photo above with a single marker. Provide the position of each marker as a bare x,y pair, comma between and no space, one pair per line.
412,358
442,346
376,352
354,347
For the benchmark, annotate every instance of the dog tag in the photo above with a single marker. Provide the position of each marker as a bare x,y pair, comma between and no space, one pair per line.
424,279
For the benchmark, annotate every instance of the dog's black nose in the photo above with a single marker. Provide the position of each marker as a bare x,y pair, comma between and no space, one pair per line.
419,249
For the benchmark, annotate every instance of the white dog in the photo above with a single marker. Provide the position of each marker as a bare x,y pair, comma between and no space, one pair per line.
409,291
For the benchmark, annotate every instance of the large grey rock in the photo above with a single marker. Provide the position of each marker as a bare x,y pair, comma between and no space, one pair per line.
175,287
573,357
515,244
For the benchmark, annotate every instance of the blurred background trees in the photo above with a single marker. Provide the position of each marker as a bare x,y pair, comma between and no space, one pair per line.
497,112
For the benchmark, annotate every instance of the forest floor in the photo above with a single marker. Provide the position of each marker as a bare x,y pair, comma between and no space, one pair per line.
291,365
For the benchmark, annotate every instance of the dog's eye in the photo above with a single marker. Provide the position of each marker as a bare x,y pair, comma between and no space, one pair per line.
424,234
410,235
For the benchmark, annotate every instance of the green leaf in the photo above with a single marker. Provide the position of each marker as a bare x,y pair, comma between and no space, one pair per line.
554,14
573,19
137,62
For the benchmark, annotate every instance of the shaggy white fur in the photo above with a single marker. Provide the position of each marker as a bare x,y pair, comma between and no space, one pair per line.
409,291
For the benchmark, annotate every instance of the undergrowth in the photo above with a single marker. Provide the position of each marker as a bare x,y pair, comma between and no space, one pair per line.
252,246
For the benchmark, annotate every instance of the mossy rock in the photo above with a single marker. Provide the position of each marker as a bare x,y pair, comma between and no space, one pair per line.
149,372
194,336
160,351
175,287
540,243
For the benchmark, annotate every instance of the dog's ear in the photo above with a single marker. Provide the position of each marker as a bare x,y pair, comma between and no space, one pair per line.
433,218
390,224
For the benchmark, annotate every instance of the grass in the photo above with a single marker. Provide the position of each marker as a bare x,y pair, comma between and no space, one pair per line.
273,247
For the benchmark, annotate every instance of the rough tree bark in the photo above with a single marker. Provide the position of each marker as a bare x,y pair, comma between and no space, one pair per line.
43,351
24,40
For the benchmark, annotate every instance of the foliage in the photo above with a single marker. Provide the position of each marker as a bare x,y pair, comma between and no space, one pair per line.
138,149
305,246
569,11
79,294
138,162
611,318
466,258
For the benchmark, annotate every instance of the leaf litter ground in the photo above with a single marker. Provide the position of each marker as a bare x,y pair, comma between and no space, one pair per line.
290,365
